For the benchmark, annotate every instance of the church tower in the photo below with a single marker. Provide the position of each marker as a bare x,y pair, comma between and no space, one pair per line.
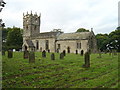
31,25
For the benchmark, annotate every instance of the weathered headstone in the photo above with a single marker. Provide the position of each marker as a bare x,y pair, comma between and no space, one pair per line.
44,53
3,52
76,51
52,56
10,53
31,57
61,56
82,52
26,54
87,60
64,53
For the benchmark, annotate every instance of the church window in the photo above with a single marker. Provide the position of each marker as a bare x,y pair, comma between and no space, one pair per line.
35,27
79,45
37,45
26,27
58,46
47,44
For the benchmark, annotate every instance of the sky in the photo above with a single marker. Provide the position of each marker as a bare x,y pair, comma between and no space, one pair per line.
67,15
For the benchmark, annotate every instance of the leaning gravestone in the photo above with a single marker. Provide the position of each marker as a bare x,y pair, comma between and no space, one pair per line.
10,53
26,54
61,56
76,51
44,54
3,52
31,57
87,60
64,53
52,56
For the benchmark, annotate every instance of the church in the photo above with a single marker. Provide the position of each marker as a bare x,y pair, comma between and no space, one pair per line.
55,40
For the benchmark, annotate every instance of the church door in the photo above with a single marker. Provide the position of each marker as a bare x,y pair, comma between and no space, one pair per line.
68,49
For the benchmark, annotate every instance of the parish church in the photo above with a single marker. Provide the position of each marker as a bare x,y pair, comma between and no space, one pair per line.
55,40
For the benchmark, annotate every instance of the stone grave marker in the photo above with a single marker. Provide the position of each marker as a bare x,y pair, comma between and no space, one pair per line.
52,56
31,57
44,53
10,54
26,54
61,56
87,60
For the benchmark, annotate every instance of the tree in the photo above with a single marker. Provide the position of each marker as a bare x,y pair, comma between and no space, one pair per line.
114,42
14,39
82,30
102,41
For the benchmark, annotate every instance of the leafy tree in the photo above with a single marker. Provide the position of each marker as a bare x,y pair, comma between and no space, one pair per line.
102,41
82,30
114,42
14,39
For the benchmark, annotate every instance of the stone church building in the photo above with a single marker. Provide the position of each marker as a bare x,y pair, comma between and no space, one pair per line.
55,41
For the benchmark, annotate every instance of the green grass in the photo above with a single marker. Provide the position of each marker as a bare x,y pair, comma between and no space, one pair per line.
66,73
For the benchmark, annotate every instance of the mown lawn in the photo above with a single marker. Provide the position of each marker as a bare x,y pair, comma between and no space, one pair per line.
66,73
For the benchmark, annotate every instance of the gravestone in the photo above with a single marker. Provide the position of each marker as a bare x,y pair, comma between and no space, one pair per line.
26,54
44,53
61,56
3,52
87,60
10,53
64,53
31,57
52,56
82,52
76,51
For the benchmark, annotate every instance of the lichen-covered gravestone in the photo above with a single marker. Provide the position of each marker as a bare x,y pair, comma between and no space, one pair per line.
87,60
44,54
61,56
10,53
52,56
31,57
64,53
26,54
76,51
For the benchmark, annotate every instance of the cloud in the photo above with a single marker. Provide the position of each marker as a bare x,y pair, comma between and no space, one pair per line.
69,15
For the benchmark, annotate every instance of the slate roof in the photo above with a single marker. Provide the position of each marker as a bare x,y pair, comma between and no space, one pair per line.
74,36
30,43
47,34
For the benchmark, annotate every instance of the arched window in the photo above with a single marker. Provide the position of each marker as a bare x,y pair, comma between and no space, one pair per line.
37,45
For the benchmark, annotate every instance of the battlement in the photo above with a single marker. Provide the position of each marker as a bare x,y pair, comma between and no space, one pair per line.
27,15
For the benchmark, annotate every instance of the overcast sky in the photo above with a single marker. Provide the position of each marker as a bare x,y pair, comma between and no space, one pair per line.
68,15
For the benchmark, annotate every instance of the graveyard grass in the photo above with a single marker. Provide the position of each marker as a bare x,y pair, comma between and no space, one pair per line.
59,73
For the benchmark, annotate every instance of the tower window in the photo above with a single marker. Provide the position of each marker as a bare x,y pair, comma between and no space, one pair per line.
37,45
47,44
